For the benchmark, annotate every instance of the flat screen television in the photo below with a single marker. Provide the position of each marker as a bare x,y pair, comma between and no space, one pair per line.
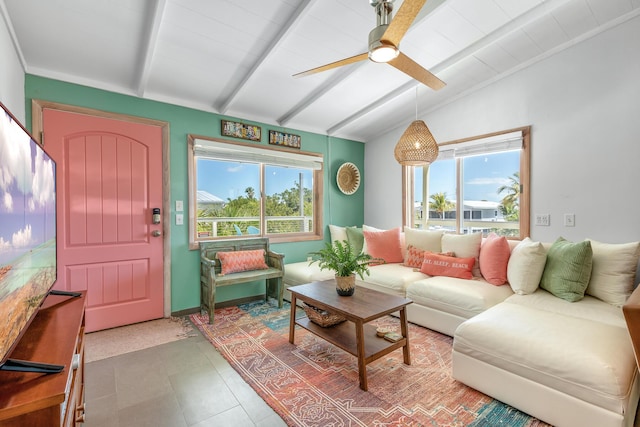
27,235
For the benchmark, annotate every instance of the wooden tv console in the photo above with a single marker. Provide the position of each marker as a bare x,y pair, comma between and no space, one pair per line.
56,336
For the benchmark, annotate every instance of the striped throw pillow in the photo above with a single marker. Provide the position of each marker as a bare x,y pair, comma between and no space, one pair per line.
237,261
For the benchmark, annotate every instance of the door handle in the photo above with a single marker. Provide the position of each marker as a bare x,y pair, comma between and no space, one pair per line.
156,233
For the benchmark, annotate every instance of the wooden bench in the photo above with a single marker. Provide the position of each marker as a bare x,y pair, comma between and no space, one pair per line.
210,266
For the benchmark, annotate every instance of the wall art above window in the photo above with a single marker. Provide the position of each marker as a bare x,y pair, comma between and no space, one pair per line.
286,139
240,130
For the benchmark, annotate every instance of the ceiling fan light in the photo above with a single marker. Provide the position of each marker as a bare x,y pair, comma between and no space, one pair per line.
383,53
416,146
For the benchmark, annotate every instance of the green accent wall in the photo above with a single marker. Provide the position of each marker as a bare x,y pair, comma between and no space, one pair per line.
185,264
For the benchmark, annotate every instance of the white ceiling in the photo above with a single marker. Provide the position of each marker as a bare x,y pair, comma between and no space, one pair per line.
237,57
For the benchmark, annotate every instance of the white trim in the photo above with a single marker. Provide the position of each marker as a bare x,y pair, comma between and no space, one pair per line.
511,141
203,148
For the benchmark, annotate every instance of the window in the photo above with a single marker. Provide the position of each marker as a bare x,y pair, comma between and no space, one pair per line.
478,184
238,190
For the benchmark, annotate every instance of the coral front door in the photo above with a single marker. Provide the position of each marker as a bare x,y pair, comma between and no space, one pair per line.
109,180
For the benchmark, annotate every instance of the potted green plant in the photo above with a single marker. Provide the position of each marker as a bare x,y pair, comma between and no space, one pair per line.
341,258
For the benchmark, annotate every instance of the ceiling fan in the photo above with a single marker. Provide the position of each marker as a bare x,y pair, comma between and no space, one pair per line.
384,43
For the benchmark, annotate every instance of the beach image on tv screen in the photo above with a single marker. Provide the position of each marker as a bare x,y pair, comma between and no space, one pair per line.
27,229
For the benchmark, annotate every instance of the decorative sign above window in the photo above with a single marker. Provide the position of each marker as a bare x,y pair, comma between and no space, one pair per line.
240,130
286,139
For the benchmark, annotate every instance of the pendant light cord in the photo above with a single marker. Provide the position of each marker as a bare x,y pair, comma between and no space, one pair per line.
416,102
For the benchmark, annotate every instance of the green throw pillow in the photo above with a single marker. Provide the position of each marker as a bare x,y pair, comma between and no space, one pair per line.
568,269
356,239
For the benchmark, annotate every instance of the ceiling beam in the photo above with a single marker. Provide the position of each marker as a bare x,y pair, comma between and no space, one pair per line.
338,78
515,24
149,44
293,20
329,84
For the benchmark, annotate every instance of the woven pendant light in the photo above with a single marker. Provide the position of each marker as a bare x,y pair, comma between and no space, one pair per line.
416,146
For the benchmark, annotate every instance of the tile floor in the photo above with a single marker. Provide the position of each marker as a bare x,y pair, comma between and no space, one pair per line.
183,383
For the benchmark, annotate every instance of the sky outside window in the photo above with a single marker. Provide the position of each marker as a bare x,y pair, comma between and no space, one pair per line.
482,177
229,180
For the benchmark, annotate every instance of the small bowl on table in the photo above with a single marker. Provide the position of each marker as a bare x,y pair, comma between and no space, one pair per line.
381,332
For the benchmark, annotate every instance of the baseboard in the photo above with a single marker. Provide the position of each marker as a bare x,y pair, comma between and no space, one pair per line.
222,304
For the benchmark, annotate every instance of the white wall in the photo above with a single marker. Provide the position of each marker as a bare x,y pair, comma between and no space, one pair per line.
584,108
11,75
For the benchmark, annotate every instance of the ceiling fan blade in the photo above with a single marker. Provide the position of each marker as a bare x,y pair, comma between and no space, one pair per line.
415,70
336,64
402,21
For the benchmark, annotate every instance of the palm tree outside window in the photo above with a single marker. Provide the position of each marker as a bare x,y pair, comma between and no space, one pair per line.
478,184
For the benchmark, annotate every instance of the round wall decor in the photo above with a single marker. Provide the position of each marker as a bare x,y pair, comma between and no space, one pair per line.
348,178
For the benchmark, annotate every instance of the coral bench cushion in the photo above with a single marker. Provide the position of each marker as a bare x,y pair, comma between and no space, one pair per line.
237,261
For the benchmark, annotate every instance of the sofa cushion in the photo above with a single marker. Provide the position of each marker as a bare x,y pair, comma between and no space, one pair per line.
460,297
464,246
525,266
588,359
568,269
442,265
427,240
590,308
614,271
384,244
394,277
300,273
494,258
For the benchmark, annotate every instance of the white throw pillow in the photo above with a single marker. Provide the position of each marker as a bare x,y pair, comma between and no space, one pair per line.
613,271
464,246
337,233
427,240
525,267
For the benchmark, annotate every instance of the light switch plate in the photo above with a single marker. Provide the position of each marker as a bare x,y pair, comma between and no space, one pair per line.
179,206
543,219
179,219
569,220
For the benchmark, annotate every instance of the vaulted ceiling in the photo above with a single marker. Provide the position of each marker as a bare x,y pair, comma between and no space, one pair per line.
237,57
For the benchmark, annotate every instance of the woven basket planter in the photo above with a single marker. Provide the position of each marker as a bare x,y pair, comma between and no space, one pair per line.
345,285
322,317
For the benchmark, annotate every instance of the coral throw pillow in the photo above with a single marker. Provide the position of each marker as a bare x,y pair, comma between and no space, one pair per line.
237,261
494,259
442,265
384,244
415,257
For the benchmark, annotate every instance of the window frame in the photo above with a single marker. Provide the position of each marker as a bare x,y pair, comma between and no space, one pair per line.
525,180
318,183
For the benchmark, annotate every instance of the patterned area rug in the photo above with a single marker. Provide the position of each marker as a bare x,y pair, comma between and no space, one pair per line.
314,383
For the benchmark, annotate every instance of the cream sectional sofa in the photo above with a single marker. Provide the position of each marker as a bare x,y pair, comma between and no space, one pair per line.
566,363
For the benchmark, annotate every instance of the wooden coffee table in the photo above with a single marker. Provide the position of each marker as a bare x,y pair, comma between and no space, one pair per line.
353,336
